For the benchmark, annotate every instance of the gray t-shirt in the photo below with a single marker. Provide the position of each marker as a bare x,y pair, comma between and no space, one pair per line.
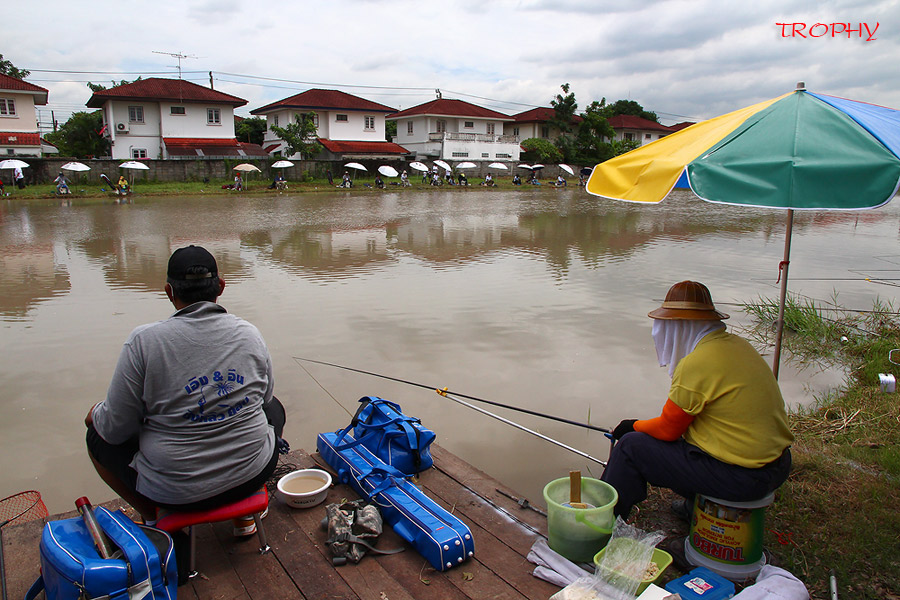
192,387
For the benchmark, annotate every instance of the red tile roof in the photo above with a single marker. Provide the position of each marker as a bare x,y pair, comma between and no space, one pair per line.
324,100
451,108
18,85
541,114
680,126
17,138
169,90
349,147
211,147
633,122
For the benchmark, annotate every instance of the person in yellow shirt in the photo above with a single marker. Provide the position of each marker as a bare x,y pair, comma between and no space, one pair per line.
723,432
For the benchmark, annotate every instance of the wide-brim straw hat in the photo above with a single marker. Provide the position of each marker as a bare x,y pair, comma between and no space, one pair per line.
688,300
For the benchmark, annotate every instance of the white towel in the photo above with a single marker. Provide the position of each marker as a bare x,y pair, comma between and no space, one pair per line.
553,567
774,583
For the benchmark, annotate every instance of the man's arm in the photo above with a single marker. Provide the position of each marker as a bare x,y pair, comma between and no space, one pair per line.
668,426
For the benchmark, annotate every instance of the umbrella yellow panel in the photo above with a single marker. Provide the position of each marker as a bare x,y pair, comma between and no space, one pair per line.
649,173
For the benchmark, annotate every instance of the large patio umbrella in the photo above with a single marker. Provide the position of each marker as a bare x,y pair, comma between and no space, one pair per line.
800,151
75,166
12,163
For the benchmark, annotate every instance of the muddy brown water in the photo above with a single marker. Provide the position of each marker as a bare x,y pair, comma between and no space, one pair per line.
534,298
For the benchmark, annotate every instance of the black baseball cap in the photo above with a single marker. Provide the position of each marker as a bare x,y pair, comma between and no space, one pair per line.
188,257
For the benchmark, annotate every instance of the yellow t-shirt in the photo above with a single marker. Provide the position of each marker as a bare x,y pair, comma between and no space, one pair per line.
739,414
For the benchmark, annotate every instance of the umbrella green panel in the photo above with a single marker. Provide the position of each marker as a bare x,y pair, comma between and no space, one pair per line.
798,153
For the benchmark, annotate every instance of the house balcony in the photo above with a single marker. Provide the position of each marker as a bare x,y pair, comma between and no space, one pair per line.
448,136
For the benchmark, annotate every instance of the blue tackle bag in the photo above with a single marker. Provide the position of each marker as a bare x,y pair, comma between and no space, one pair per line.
397,439
72,569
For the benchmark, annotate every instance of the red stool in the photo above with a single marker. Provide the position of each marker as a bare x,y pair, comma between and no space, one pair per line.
254,505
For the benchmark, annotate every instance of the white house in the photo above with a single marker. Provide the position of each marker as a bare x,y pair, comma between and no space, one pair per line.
455,130
535,123
643,131
170,118
19,132
347,126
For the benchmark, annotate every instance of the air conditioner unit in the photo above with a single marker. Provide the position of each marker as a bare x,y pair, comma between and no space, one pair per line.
122,127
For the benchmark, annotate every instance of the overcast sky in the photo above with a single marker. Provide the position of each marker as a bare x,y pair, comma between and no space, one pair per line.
686,60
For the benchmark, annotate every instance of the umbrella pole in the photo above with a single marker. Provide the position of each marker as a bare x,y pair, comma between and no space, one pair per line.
783,275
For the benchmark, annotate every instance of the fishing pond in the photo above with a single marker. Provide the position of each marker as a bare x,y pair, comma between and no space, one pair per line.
536,298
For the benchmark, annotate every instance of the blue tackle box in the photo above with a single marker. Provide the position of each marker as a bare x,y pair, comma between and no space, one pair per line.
701,584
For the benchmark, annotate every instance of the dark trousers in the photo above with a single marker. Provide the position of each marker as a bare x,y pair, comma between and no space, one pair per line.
639,459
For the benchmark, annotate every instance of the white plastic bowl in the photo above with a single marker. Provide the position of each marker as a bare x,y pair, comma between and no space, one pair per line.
304,499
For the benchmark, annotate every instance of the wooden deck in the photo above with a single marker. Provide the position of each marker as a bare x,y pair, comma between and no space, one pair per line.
299,565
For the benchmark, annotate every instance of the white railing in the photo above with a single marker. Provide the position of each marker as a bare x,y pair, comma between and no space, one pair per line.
472,137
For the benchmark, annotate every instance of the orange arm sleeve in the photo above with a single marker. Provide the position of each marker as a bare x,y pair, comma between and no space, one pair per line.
669,426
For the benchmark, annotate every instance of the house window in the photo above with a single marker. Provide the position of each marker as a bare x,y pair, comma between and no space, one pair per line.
409,128
441,126
315,118
545,131
490,129
646,136
515,131
341,118
370,123
7,107
275,120
459,154
136,114
629,136
176,110
469,124
213,116
503,155
138,153
485,155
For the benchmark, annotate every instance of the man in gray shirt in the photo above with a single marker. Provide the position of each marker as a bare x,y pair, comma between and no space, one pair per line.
189,421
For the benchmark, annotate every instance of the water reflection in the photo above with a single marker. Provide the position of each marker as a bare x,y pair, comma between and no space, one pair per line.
533,297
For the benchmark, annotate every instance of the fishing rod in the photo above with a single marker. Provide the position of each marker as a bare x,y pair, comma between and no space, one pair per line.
450,396
434,387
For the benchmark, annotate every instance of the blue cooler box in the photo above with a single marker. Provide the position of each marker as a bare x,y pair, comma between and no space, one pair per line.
701,584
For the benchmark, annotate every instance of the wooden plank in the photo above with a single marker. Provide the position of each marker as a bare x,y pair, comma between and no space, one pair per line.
315,577
486,486
368,579
21,556
217,578
262,575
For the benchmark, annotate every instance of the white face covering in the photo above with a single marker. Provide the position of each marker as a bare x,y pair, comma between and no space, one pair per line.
676,338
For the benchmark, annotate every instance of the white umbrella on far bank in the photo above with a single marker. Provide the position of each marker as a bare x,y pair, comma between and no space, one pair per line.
75,166
567,169
134,166
418,166
498,165
443,165
282,164
13,163
466,165
388,171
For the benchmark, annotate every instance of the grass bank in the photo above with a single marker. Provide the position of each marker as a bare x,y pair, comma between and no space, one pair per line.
838,511
91,187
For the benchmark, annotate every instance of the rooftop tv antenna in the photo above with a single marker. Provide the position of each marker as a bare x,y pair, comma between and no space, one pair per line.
177,55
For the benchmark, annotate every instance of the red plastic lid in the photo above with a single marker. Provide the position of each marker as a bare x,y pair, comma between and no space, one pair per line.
83,501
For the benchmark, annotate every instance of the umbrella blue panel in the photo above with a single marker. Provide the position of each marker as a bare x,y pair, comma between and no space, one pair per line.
880,121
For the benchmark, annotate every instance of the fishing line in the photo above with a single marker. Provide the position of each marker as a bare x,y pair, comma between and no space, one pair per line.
434,387
450,396
336,401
